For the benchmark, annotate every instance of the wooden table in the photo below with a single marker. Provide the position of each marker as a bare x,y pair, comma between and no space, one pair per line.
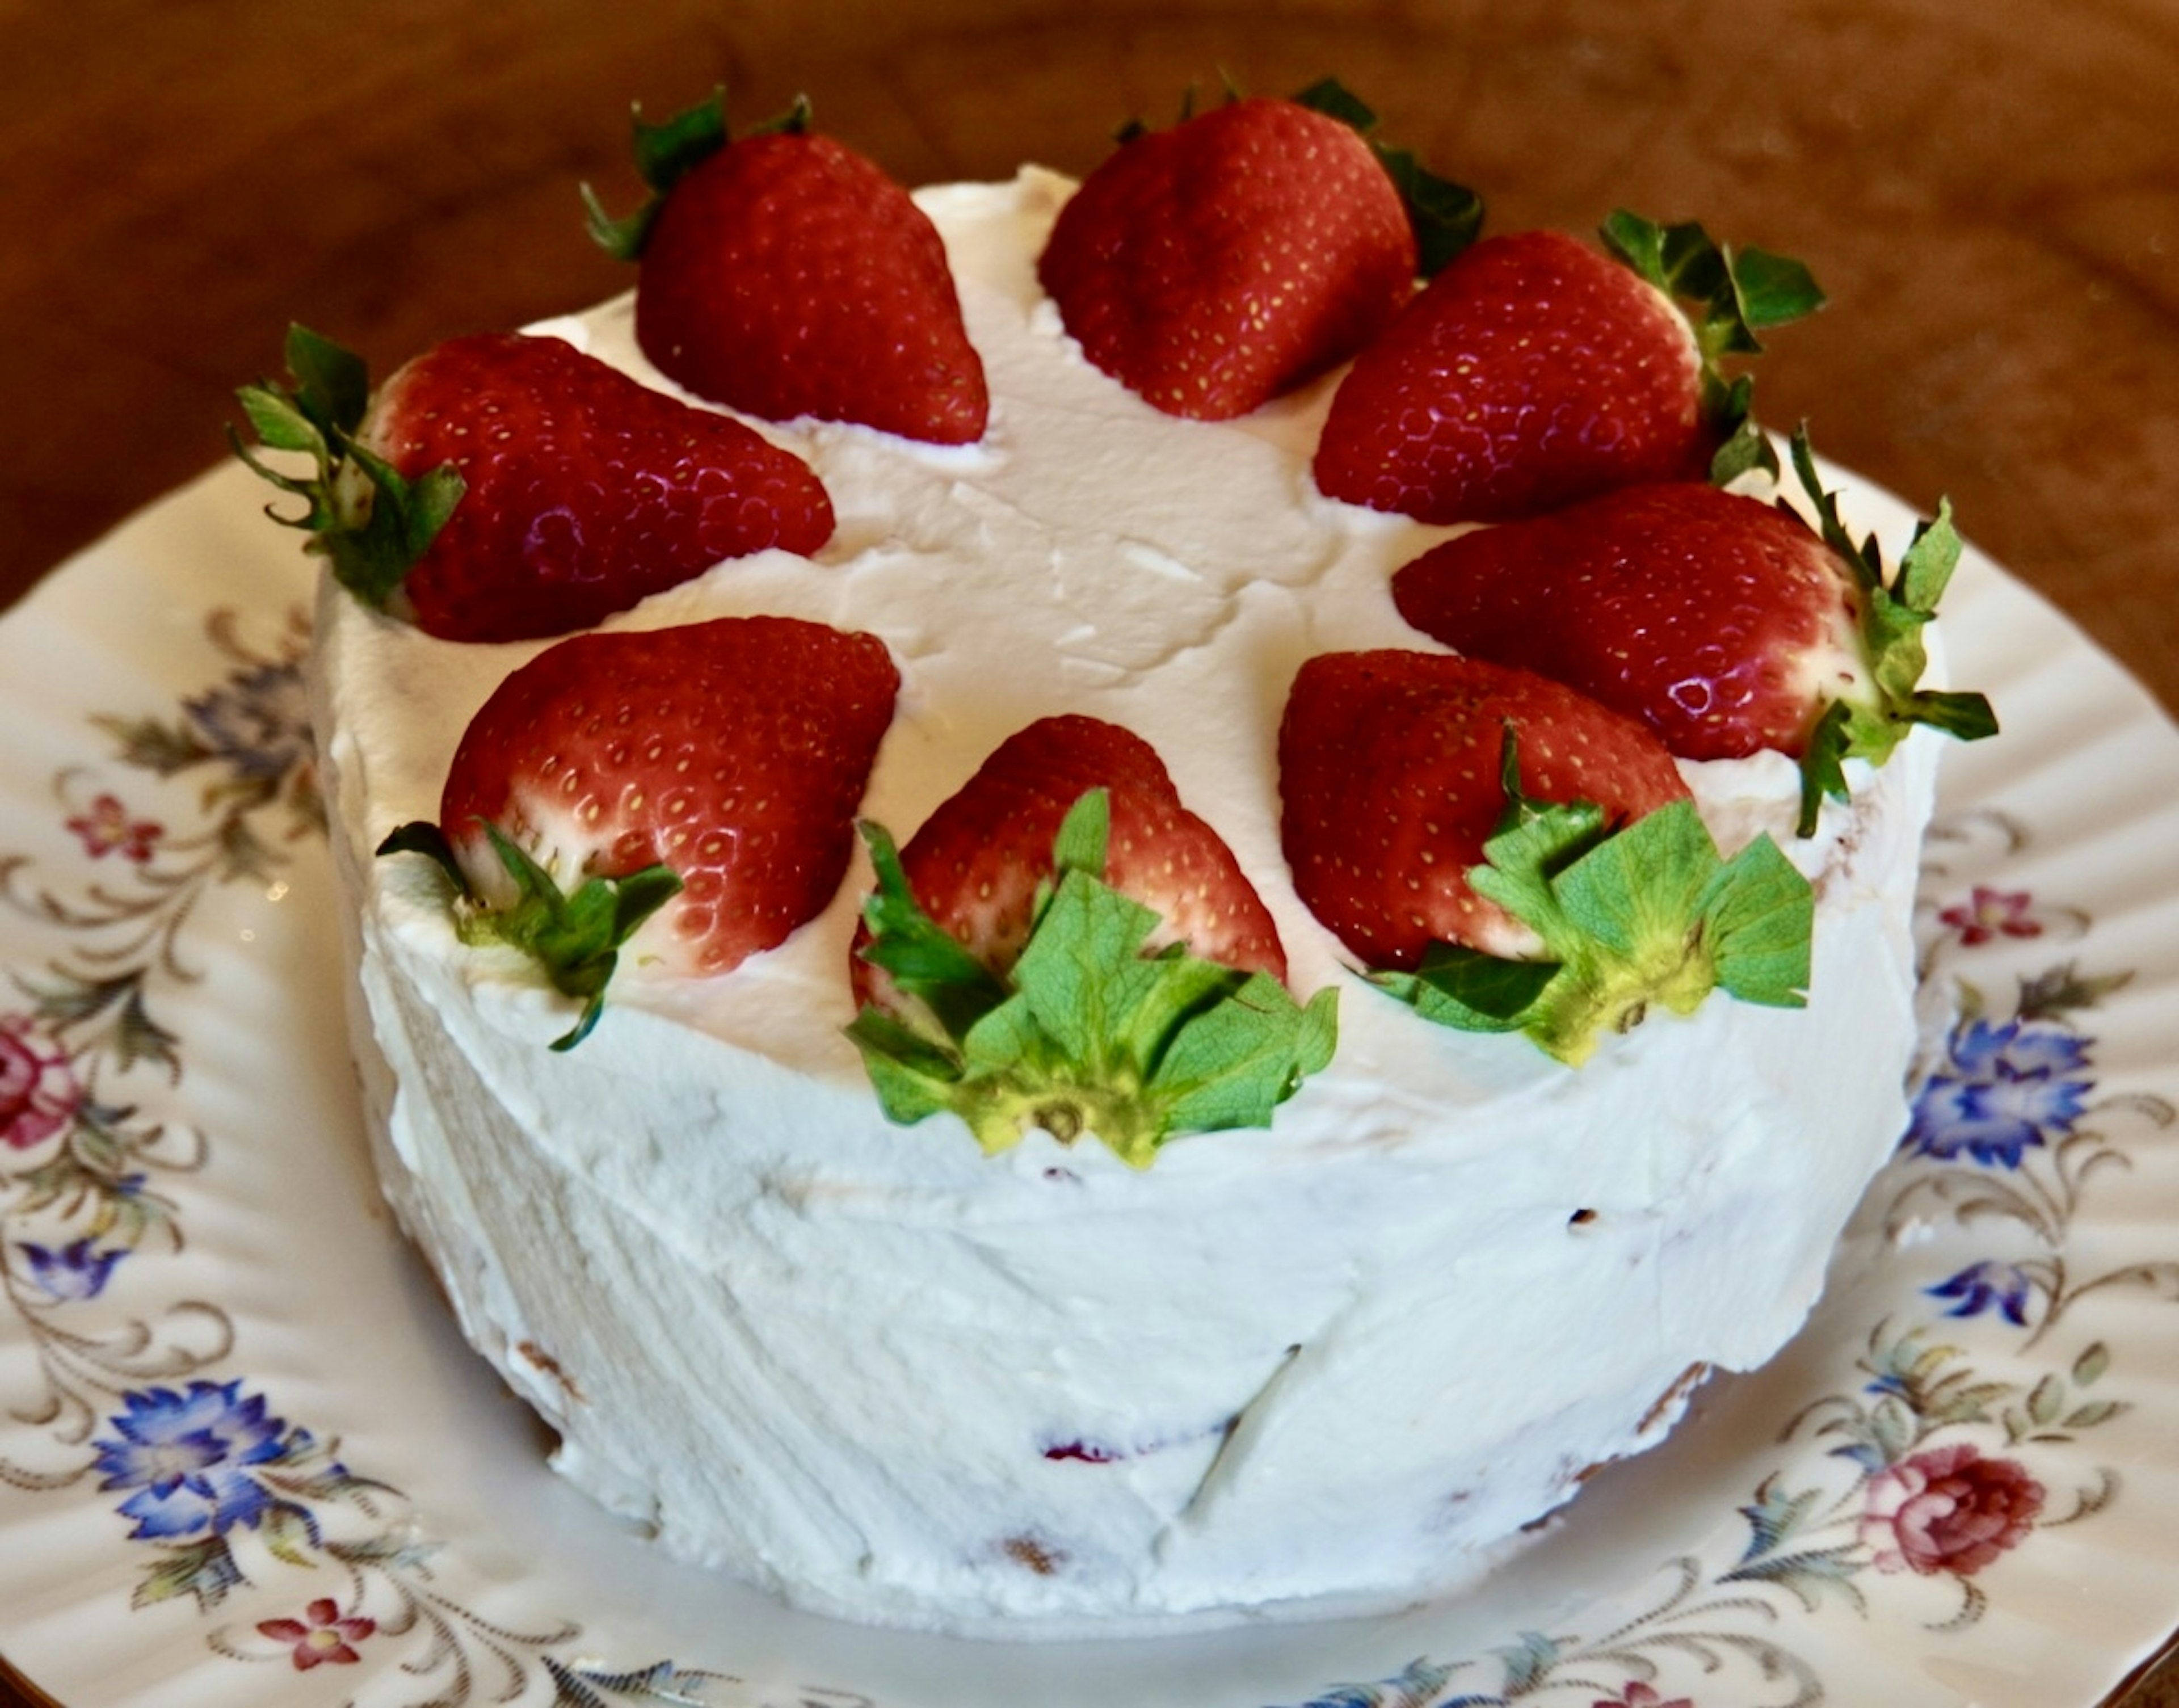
1989,188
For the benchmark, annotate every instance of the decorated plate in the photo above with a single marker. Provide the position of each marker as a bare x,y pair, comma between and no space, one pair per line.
245,1459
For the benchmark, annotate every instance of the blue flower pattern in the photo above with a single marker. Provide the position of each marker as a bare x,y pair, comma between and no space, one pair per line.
186,1454
258,721
2004,1089
1987,1286
77,1271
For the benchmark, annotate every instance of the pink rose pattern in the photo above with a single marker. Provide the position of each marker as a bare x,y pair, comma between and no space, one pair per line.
1949,1509
38,1092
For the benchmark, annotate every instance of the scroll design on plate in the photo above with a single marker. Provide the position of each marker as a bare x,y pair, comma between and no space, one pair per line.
85,1057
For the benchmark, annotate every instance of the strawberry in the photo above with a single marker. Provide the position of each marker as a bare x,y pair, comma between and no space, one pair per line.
502,487
1726,625
785,275
705,775
1511,856
1213,266
1063,946
976,864
1390,778
1721,622
1534,371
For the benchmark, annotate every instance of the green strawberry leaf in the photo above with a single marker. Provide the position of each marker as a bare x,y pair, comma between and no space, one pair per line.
1965,716
1758,909
1894,613
1642,916
1469,991
1445,216
665,154
1822,763
1746,447
369,521
575,939
373,547
422,837
1729,296
925,962
1771,289
1335,100
280,423
912,1078
332,385
1086,1033
1241,1057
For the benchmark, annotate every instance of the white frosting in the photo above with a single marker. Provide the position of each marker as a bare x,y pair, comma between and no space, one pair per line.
888,1376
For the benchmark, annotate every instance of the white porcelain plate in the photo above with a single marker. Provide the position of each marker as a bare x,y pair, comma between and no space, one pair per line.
246,1460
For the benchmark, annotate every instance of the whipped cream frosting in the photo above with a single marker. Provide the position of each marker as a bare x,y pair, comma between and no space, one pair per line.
1319,1368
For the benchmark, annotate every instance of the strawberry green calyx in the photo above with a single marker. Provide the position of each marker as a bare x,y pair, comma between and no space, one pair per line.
1445,216
1085,1033
664,155
1734,295
1893,614
370,521
1649,915
575,939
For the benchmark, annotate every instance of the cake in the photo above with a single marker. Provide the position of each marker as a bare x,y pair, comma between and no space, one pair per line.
1320,1367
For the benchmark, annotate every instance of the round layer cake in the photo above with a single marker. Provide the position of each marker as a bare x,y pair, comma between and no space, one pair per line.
1317,1368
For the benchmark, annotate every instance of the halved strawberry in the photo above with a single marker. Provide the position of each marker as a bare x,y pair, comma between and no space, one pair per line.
786,275
1720,621
1064,946
503,487
1389,771
706,775
980,860
1509,855
1212,266
1534,372
1726,625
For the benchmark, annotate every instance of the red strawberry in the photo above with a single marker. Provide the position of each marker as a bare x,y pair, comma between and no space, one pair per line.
730,754
1390,774
1064,949
1723,622
976,863
1727,625
1534,371
508,487
785,275
1213,266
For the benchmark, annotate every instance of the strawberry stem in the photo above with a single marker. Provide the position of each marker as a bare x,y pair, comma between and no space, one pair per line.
1734,294
1635,918
667,153
1894,613
575,939
1085,1034
371,523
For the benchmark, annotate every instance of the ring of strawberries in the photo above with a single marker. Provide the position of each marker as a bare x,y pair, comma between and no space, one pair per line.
1460,820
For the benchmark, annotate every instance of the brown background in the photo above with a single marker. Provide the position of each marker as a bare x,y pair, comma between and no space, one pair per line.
1989,188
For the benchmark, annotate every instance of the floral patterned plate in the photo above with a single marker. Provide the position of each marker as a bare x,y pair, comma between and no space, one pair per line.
245,1459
